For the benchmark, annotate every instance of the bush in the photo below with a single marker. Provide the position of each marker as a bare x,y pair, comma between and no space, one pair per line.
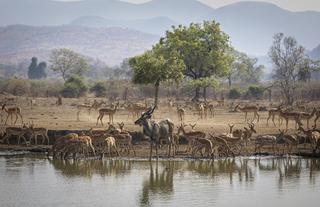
99,89
254,92
234,93
74,87
18,87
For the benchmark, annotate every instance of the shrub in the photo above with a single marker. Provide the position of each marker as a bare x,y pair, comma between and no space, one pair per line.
99,89
234,93
18,87
74,87
254,92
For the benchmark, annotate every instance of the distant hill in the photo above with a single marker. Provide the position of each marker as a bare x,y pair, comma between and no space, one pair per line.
315,53
111,45
251,25
157,25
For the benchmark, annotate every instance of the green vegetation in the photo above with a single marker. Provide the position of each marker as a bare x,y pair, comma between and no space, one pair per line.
67,63
234,93
74,87
37,71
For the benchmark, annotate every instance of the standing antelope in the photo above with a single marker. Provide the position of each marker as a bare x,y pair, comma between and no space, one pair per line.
88,107
107,111
35,132
156,131
181,114
306,116
201,110
248,109
15,110
273,113
15,131
294,116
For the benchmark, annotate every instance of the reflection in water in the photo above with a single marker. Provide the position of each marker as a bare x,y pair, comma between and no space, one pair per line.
164,182
88,168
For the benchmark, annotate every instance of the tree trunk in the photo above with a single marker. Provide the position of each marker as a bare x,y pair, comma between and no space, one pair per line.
229,81
197,95
205,93
156,93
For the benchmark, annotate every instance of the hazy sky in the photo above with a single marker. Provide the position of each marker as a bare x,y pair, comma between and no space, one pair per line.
293,5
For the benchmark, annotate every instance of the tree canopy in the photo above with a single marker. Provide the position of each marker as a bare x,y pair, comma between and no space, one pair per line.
37,71
67,63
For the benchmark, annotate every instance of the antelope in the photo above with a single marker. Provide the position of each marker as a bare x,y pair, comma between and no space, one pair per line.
289,140
15,131
201,110
317,117
306,116
272,113
220,102
88,107
181,114
203,143
107,111
190,136
247,133
136,109
222,143
156,130
123,139
248,109
289,116
12,111
314,137
35,132
210,107
110,143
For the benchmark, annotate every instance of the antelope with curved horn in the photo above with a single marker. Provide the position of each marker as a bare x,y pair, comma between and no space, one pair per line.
156,131
248,109
190,136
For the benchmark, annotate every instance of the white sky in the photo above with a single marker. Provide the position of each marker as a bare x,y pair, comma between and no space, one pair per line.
293,5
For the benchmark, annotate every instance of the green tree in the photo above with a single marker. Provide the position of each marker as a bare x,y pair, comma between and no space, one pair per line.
74,87
288,59
156,66
36,71
244,69
202,47
67,63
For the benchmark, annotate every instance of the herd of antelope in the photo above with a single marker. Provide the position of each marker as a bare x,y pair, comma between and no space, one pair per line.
116,141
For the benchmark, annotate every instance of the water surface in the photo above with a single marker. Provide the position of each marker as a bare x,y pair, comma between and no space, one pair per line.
35,181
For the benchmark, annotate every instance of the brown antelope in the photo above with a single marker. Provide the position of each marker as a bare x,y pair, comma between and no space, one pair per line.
294,116
88,107
15,131
181,114
136,109
314,137
248,109
211,110
223,145
289,140
123,138
272,113
107,111
190,136
110,143
201,110
203,143
306,116
35,132
317,115
12,111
